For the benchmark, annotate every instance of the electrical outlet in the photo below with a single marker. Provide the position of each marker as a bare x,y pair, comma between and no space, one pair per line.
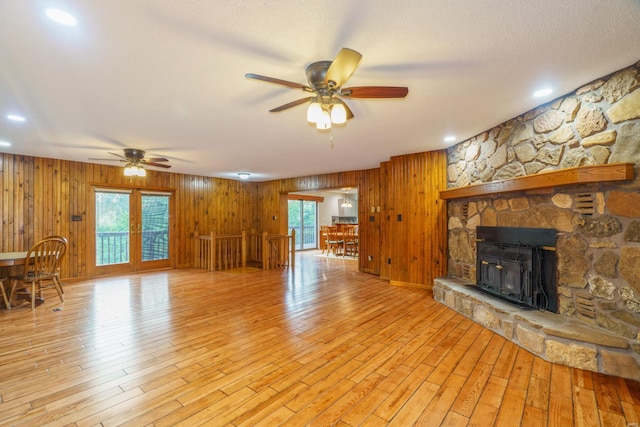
370,257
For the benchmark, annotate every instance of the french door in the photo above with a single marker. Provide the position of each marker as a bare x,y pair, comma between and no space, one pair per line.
303,216
132,230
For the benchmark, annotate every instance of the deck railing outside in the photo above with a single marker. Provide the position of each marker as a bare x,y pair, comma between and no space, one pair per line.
113,247
306,238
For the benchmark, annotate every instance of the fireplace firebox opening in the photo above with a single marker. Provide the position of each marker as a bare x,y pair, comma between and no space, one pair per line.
518,264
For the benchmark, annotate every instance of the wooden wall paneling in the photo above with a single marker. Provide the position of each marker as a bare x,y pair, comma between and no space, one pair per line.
78,230
369,231
13,196
384,218
10,195
4,201
16,211
40,195
415,242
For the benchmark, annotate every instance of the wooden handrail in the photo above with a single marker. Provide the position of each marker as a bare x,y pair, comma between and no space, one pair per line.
215,252
570,176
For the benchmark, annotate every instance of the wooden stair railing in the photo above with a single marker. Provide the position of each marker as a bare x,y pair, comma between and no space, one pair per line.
223,252
278,250
220,252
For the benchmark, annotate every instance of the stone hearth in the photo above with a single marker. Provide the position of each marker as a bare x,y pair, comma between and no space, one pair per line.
553,337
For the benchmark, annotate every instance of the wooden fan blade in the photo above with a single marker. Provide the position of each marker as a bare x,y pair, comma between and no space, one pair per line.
158,165
292,104
375,92
279,82
156,159
343,66
108,160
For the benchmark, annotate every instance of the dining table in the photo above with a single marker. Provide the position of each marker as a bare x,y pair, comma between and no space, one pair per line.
8,260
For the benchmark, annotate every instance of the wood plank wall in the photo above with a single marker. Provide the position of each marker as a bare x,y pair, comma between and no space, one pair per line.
414,238
41,194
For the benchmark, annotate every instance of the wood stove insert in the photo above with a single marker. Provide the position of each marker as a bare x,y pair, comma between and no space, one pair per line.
518,264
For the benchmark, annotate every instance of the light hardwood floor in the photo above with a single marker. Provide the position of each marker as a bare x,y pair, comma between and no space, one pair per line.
321,345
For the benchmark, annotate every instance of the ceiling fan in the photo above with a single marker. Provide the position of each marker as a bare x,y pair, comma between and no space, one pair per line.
325,80
135,161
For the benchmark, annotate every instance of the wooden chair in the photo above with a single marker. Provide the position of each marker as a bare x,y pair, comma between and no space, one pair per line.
41,269
335,241
351,241
324,238
5,299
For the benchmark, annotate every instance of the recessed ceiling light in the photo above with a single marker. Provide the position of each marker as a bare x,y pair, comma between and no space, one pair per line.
5,144
16,118
244,175
542,92
61,17
449,138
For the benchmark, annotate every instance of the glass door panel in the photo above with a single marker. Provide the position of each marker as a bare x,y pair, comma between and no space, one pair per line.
154,230
309,224
303,219
112,231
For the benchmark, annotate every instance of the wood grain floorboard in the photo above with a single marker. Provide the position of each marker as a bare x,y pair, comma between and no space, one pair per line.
321,345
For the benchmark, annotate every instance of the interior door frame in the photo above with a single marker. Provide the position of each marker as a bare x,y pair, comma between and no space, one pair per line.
135,263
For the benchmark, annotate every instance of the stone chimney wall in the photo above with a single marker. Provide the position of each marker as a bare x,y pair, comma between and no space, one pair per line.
598,225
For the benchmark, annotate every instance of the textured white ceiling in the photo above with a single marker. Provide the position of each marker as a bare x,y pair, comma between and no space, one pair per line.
167,76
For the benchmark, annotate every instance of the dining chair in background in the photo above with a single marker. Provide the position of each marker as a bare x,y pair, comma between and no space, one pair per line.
351,242
335,241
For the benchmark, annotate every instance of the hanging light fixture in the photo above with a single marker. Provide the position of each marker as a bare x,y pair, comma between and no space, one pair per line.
346,203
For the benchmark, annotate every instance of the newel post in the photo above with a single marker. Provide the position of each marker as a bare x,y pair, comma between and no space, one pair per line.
265,251
212,252
292,261
244,248
196,250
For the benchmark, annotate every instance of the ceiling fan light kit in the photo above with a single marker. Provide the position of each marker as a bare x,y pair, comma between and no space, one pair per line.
338,113
325,80
134,170
135,162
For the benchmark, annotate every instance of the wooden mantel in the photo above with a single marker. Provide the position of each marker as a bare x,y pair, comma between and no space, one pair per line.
571,176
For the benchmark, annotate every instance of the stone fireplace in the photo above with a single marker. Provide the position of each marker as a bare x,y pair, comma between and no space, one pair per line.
597,324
